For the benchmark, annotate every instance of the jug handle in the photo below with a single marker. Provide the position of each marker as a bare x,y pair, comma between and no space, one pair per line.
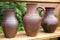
43,10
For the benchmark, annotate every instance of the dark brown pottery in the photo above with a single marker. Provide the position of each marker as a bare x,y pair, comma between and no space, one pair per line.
10,24
31,20
49,21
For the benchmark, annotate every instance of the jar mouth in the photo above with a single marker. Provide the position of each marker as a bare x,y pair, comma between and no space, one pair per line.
49,8
9,11
31,3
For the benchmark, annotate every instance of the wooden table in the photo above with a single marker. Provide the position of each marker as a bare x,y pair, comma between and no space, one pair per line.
41,35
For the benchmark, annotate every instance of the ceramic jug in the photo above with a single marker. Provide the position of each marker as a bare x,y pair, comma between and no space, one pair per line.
49,21
32,20
10,24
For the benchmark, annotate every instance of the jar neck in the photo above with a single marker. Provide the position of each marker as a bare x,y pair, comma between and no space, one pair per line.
49,11
9,13
31,8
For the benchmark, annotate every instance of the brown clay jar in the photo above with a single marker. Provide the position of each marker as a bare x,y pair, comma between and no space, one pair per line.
49,21
31,20
10,24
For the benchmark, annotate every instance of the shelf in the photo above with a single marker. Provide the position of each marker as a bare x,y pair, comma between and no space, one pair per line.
58,1
41,35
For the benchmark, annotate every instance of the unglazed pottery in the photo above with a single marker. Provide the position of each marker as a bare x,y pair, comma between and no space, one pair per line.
10,24
31,20
49,21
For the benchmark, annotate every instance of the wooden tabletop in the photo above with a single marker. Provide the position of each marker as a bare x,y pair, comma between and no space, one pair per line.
41,35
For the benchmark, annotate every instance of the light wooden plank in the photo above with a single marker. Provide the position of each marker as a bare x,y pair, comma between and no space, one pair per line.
34,0
54,39
59,18
41,35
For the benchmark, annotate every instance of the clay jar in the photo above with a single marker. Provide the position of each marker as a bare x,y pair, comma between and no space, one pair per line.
49,21
10,24
31,20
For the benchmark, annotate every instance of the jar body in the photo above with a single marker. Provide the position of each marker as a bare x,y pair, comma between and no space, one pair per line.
49,22
31,21
10,24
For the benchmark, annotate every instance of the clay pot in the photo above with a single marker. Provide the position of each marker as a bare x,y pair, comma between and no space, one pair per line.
31,20
49,21
10,24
